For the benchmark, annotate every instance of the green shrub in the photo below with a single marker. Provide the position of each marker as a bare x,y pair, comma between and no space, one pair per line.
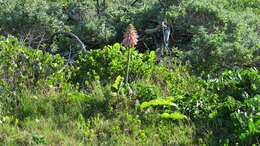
146,91
240,84
33,20
238,102
108,63
217,51
216,35
22,67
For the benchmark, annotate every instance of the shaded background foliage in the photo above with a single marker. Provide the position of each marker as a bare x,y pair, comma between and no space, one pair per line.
211,35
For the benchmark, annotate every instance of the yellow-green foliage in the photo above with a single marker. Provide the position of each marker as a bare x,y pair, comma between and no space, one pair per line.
174,115
108,63
157,102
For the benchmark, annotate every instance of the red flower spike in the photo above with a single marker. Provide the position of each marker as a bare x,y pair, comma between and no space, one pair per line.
130,36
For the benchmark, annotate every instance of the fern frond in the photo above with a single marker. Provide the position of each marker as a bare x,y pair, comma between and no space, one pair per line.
157,102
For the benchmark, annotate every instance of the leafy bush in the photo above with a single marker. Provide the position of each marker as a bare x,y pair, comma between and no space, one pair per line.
146,91
216,51
238,101
35,21
22,67
108,63
214,36
240,84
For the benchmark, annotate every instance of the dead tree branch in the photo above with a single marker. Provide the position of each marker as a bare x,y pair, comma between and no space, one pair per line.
68,34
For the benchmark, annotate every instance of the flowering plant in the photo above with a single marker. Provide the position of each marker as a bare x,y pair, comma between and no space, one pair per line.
130,40
130,36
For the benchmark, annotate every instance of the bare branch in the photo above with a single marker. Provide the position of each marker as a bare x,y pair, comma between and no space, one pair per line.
68,34
152,30
133,3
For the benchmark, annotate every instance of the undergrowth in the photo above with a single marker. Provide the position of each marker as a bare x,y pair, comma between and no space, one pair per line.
44,101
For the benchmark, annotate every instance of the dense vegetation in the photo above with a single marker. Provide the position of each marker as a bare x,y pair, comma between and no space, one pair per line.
204,91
